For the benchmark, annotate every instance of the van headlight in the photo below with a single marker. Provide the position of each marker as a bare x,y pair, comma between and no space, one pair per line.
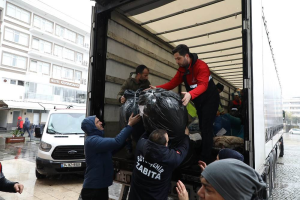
45,146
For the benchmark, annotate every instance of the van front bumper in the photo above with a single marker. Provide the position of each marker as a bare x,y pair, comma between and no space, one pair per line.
50,167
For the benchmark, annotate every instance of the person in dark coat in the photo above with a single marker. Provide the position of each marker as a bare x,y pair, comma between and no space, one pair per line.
224,154
27,126
154,165
8,186
139,82
98,155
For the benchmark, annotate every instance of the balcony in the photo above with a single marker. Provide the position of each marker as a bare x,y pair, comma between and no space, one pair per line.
59,40
35,96
61,61
53,98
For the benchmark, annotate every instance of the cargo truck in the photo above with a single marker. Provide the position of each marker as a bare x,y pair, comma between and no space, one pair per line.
231,36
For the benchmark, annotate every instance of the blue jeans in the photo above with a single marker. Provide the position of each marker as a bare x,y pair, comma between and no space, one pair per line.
26,129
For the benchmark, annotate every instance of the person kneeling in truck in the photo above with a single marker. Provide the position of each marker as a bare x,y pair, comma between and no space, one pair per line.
226,179
154,164
98,155
8,186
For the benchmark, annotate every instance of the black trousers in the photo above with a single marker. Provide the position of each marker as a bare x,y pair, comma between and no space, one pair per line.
207,114
207,106
94,194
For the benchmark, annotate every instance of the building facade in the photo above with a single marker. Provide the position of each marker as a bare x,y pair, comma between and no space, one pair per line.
43,61
292,106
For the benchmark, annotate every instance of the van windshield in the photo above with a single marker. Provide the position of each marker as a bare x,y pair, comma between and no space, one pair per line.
65,123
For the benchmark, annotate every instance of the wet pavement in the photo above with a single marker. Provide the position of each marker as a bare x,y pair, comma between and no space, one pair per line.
18,162
287,183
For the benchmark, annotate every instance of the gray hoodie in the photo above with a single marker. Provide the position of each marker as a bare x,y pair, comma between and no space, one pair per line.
233,179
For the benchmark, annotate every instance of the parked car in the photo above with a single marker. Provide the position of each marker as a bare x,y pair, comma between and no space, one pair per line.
295,130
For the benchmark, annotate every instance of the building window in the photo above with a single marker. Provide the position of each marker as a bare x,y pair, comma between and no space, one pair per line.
16,36
78,76
13,82
59,31
80,39
56,73
14,60
70,35
42,24
69,54
18,13
58,51
21,83
79,57
41,45
67,73
40,67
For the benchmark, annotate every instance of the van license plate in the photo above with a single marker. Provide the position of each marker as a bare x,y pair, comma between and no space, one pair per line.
70,165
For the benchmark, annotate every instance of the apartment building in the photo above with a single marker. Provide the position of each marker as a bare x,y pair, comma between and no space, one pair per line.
292,106
43,61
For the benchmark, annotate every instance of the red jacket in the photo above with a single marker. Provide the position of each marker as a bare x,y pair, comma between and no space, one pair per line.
20,122
199,75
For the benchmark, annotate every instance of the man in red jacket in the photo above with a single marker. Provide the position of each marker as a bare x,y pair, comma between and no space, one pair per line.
201,89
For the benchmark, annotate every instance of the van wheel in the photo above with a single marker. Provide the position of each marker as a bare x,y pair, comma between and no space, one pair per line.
39,176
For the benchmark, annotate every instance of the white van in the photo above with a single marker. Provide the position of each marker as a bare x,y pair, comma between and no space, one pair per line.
61,150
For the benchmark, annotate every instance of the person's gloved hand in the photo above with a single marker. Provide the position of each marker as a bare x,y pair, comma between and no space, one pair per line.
19,188
181,191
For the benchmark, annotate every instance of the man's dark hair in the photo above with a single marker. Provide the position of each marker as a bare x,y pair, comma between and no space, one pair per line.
182,49
140,69
158,137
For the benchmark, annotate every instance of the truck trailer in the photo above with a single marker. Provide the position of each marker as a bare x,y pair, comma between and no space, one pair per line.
231,36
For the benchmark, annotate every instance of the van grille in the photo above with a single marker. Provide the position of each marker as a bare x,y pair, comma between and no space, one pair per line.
68,152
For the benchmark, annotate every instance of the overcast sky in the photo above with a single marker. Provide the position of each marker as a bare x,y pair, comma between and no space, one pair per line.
283,25
77,9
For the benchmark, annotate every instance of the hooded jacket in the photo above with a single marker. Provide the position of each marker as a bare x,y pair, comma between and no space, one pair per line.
20,122
27,123
233,179
98,154
154,165
197,77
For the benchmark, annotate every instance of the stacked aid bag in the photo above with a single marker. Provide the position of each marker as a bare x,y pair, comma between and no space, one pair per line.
163,109
129,107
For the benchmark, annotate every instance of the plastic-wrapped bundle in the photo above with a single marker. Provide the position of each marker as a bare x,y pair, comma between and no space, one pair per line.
129,107
163,109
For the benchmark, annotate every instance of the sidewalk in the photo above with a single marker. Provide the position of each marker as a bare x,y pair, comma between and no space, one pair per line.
287,183
26,150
